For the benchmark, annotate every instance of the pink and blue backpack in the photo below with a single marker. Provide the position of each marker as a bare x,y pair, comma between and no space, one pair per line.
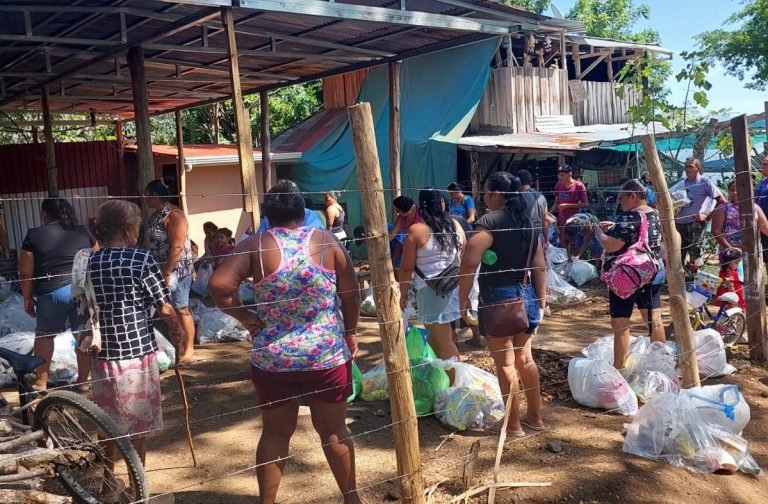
635,268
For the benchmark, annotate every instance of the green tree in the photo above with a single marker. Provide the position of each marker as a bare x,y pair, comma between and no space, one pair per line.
743,49
537,6
613,19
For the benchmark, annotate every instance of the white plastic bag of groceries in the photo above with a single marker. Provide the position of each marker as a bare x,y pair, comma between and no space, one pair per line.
21,342
473,401
597,384
582,272
13,318
560,292
375,384
216,326
166,352
721,404
671,427
200,285
64,361
710,354
555,256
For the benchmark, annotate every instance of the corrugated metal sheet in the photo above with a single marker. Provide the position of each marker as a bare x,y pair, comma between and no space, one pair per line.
94,81
616,44
523,141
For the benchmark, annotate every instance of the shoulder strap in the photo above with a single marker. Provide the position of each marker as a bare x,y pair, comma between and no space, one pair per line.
534,237
261,257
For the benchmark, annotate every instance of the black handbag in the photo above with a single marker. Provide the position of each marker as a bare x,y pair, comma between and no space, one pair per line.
444,282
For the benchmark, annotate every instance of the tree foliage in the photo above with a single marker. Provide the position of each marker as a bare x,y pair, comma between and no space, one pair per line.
613,19
742,50
536,6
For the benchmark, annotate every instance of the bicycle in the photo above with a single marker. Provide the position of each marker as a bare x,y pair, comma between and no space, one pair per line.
729,320
85,450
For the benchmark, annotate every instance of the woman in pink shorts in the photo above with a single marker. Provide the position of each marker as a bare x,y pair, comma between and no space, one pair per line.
302,348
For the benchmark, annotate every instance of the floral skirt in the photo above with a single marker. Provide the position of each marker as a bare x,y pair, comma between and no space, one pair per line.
129,392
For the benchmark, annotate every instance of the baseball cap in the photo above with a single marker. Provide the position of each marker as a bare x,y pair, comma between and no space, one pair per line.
565,168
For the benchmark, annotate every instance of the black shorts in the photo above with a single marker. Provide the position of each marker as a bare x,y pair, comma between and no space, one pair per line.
764,244
647,297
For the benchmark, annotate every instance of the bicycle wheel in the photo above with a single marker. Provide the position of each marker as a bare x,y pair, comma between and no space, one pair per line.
732,327
73,422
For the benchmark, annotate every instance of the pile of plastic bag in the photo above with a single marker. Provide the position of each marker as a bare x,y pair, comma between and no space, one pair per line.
21,342
560,292
368,305
200,285
166,352
13,318
5,289
698,429
427,378
472,402
216,327
597,384
710,354
63,368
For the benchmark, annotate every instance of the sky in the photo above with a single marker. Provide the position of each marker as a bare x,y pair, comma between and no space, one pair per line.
678,22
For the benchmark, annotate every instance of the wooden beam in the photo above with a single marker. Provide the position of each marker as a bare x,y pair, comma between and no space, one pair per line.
387,296
678,301
394,129
266,142
592,66
609,62
754,284
120,152
576,55
180,170
50,148
242,124
145,159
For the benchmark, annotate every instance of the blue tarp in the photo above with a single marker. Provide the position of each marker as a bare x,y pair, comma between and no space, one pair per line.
439,95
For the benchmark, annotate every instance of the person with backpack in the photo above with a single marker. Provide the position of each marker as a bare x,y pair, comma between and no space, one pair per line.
461,204
432,250
632,243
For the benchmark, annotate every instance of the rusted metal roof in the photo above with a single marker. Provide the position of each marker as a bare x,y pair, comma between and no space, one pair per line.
211,154
77,48
525,142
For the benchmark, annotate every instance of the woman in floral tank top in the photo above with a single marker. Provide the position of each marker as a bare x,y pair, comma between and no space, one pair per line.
302,346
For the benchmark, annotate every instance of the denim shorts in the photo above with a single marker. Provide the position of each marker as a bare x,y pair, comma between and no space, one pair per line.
436,309
55,309
180,295
527,292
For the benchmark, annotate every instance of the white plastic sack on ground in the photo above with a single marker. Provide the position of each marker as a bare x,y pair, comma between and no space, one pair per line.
710,354
597,384
216,326
560,292
649,384
657,356
671,427
64,361
200,285
722,405
582,272
601,348
556,255
196,308
375,384
13,318
473,401
166,353
17,342
5,289
368,306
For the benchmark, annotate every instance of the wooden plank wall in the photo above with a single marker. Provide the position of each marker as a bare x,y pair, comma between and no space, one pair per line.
342,90
602,105
514,96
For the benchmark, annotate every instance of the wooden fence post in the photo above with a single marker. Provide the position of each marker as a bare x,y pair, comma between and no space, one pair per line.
50,146
678,302
386,294
754,285
394,129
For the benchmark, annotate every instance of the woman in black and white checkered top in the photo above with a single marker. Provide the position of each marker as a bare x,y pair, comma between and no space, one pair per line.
128,286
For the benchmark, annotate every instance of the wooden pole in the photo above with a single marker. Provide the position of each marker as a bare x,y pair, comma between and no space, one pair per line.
576,55
214,114
266,142
394,129
678,302
242,124
387,296
124,189
35,136
146,162
50,147
754,285
180,154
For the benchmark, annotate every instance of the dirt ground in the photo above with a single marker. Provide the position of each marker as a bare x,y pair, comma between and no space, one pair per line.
591,467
